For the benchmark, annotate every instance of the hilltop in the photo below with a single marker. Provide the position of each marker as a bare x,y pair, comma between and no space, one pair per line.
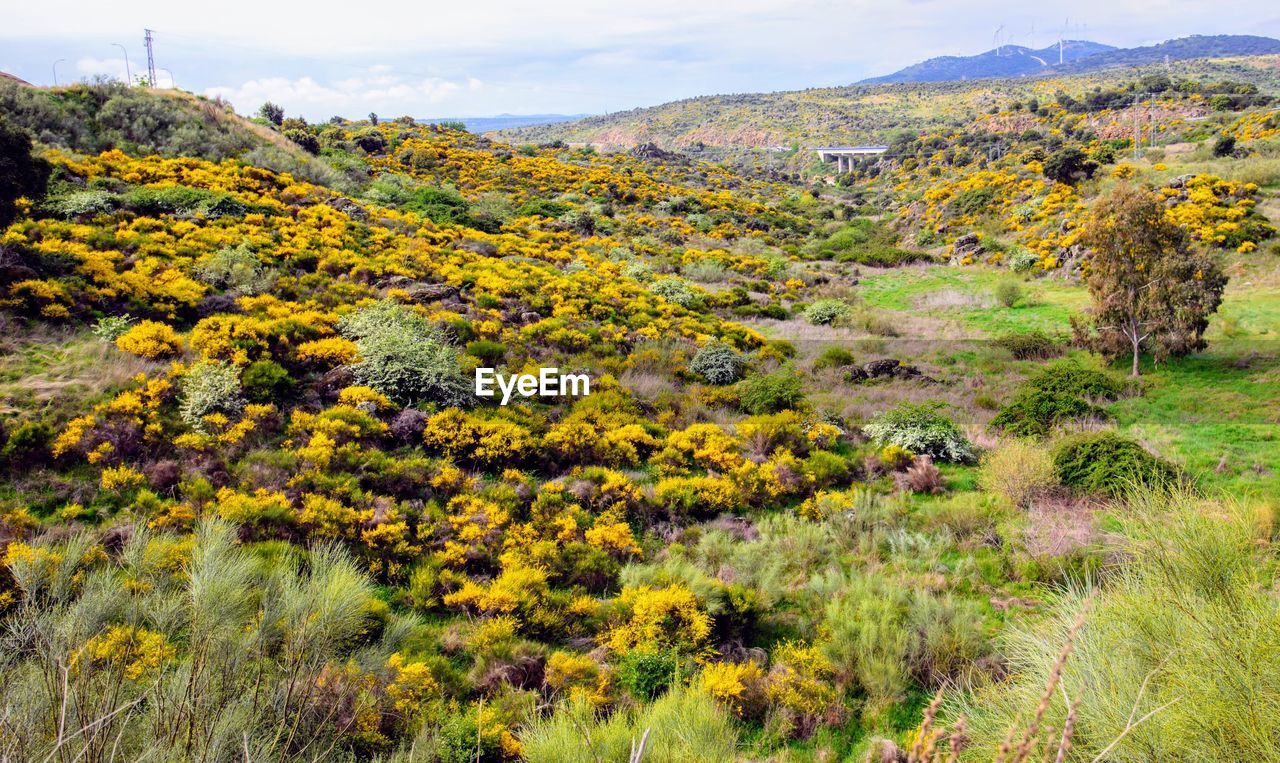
712,126
1076,56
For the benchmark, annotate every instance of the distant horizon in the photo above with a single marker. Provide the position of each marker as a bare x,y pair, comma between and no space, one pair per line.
566,57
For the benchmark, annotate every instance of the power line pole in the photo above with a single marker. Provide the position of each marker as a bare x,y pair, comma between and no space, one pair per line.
151,60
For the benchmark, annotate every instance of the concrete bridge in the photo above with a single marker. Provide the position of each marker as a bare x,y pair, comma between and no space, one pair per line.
844,155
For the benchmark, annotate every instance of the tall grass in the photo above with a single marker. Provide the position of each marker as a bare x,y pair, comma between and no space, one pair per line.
1177,659
682,725
234,668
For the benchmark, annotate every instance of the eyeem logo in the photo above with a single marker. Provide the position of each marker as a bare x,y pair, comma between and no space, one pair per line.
548,382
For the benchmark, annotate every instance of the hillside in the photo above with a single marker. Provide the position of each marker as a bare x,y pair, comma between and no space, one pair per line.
855,114
856,473
1077,57
1009,61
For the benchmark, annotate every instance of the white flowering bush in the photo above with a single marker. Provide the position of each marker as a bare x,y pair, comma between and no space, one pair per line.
921,429
210,387
404,356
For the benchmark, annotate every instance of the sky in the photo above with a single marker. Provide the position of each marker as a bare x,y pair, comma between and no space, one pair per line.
429,59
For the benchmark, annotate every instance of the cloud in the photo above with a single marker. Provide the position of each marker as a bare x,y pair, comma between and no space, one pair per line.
377,89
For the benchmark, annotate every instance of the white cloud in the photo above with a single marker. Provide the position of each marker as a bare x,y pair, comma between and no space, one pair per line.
376,89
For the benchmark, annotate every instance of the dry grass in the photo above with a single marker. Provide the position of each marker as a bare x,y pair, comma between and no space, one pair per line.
54,369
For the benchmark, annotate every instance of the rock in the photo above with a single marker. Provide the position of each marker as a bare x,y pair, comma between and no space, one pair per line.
882,367
855,374
651,152
348,208
422,293
967,245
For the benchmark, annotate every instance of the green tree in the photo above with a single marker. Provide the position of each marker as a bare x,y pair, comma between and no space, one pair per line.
1069,166
271,112
21,173
1150,288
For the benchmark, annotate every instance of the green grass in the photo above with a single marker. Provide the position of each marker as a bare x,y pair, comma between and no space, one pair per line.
1199,409
967,295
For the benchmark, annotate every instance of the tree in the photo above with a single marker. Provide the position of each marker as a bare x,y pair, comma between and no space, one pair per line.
1225,145
1069,166
21,173
272,113
1149,287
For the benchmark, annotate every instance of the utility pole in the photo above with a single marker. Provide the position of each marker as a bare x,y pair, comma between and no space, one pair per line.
128,73
1137,129
151,60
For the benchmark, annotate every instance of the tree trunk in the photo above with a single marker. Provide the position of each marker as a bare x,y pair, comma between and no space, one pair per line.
1137,353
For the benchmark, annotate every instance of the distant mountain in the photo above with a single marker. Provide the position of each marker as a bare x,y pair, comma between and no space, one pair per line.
1181,49
1077,56
506,121
1007,61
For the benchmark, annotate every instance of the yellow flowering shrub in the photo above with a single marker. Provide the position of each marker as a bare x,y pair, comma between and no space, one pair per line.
151,340
135,652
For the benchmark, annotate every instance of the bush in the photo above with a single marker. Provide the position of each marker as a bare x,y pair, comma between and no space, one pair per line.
826,312
1022,260
1105,463
646,675
210,387
1008,293
237,269
1029,345
266,380
921,429
404,356
921,477
1061,392
1018,471
109,328
22,173
717,363
151,340
674,290
833,357
770,393
487,351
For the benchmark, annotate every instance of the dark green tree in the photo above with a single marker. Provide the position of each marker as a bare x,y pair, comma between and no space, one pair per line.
271,112
21,172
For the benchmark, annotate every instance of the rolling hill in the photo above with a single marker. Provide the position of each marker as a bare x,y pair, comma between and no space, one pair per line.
712,126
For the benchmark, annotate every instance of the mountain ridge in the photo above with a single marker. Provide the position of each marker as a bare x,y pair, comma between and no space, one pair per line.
1078,56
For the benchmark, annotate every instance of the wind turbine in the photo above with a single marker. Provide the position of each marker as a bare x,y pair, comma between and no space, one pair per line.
997,39
1065,24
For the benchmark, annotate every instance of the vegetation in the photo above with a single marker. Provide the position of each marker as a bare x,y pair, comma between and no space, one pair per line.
838,456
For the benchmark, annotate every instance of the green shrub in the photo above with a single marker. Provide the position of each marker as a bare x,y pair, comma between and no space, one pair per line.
646,675
110,327
1022,260
833,357
1032,344
1008,293
487,350
236,269
674,290
84,203
210,386
718,363
1105,463
1061,392
773,392
404,356
266,380
827,312
921,429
